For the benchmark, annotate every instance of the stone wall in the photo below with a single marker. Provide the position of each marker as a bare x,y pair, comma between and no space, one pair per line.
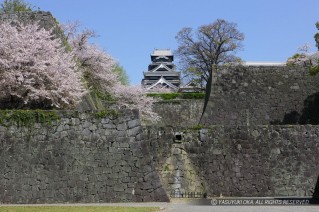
241,161
252,95
79,158
82,158
179,112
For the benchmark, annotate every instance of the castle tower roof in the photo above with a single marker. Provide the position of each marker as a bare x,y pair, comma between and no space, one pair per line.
161,72
162,52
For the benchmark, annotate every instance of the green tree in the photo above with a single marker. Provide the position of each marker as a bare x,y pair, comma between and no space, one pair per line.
15,6
120,71
317,35
315,68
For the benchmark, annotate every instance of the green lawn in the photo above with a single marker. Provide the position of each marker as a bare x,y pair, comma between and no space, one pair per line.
76,209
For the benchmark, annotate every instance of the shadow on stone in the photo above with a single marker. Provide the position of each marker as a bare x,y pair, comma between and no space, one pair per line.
291,118
309,114
316,191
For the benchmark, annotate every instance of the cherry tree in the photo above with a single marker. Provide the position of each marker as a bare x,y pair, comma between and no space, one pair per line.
35,70
96,64
98,68
305,58
135,97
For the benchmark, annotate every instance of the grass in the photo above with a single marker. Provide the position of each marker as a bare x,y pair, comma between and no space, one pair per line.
27,117
76,209
171,96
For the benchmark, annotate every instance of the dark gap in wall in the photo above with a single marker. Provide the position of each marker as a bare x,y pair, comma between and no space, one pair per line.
178,137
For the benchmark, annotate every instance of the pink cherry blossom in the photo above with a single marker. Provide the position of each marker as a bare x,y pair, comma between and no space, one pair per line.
35,70
99,65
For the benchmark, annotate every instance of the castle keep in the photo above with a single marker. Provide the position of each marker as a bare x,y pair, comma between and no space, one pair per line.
162,71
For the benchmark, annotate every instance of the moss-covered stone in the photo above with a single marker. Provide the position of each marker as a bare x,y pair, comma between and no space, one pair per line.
107,113
27,117
171,96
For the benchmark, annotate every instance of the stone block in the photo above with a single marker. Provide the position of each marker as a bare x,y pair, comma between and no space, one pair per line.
217,152
87,124
133,123
119,187
121,127
134,131
86,132
109,126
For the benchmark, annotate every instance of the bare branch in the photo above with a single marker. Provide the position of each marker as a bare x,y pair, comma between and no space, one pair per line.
214,45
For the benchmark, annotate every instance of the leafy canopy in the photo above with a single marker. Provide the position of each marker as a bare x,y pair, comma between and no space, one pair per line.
315,68
15,6
309,60
122,75
317,35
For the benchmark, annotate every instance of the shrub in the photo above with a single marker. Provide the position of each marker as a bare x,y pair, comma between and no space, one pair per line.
171,96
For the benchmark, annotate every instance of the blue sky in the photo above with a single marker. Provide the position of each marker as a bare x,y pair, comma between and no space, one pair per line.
129,30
